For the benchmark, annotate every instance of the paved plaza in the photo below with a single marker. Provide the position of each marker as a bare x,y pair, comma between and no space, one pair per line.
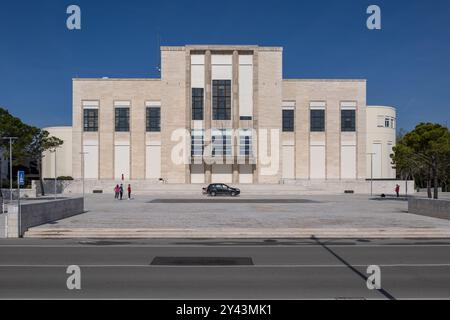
253,212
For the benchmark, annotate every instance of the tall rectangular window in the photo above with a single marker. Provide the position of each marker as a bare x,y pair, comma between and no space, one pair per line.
197,143
288,120
221,141
153,119
245,143
221,99
90,119
348,120
197,103
317,120
122,119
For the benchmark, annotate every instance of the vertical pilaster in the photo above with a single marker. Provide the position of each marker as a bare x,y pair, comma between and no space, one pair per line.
208,111
188,111
256,113
236,115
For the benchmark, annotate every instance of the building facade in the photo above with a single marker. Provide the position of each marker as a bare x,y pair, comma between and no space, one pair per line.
225,114
58,163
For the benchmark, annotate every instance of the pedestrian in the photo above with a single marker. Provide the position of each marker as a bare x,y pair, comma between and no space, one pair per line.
116,192
129,191
397,191
121,191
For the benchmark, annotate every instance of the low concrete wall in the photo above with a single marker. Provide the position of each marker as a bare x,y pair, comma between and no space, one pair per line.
39,213
358,186
49,186
24,193
430,208
2,226
291,186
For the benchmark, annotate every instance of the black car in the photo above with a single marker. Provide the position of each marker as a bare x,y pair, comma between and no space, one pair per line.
220,189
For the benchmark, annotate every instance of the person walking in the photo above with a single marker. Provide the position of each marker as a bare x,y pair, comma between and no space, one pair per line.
116,192
397,191
129,191
121,191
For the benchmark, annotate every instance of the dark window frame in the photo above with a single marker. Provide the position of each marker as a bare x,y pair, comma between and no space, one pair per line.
153,119
90,122
348,120
245,145
288,120
317,120
198,103
221,100
195,137
224,144
122,119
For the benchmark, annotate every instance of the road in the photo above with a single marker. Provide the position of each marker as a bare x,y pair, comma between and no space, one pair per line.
225,269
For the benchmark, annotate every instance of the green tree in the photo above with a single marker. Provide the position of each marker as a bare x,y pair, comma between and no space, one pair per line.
11,126
425,151
32,142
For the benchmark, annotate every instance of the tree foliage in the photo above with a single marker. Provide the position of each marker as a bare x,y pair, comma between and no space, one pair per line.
424,152
31,142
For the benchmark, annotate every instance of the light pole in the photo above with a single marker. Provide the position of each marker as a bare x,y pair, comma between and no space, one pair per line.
371,173
11,139
56,179
82,172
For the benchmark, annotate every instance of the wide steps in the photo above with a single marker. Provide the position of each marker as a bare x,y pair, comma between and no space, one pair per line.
394,233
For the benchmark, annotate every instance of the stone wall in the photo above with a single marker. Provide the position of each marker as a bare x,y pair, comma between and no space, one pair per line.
430,208
39,213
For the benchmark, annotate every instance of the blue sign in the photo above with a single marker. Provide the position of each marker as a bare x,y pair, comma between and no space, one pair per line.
21,177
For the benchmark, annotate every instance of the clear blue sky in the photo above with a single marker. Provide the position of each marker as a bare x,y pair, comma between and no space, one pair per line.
407,63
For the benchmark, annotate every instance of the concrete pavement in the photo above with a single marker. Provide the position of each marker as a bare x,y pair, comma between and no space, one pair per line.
281,269
255,216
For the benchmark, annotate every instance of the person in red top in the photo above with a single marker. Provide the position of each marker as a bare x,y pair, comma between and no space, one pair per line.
129,192
397,191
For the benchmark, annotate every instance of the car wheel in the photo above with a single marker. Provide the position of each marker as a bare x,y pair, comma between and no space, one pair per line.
233,194
213,194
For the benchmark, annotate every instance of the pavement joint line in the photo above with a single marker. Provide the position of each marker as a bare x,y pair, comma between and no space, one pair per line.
234,267
206,246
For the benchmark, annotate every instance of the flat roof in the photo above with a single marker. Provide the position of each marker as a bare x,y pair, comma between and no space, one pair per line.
116,79
221,47
327,80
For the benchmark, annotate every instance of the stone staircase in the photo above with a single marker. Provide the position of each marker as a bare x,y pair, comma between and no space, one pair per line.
287,187
254,233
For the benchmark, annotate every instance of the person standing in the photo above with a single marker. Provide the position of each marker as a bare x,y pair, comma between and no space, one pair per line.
116,192
121,191
397,191
129,191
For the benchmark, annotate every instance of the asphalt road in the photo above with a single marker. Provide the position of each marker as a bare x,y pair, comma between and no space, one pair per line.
228,269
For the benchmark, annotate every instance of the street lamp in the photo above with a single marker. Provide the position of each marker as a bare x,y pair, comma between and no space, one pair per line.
371,173
82,171
56,179
11,139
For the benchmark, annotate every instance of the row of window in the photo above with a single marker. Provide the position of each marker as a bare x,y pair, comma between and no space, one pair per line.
122,119
386,122
221,101
222,144
153,118
317,120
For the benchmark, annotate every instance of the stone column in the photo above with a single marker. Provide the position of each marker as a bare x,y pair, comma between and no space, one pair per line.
208,111
236,115
256,113
188,110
